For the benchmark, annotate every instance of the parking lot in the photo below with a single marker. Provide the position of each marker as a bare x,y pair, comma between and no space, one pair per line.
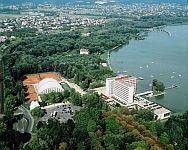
61,112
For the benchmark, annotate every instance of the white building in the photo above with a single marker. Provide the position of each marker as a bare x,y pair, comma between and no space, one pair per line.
84,51
48,85
162,113
122,88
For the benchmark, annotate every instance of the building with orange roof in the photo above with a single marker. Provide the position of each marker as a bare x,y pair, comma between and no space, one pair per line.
35,84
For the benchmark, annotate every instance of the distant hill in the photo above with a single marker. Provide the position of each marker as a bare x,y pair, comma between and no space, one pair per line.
12,2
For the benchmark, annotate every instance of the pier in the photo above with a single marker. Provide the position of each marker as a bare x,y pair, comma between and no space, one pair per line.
155,95
172,87
145,93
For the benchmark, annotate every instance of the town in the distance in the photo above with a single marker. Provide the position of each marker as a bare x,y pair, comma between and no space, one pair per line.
66,84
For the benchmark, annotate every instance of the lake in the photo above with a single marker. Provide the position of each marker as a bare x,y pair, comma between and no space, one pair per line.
162,57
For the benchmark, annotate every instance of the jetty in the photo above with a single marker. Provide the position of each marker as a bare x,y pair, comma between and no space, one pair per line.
144,93
172,87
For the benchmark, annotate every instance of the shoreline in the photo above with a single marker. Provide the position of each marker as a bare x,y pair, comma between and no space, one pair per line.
159,28
108,59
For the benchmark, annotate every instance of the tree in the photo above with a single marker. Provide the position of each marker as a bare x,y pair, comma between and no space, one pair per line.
140,145
54,97
158,86
63,146
143,114
75,98
92,126
81,146
36,144
165,138
38,112
70,127
3,129
111,125
92,100
10,104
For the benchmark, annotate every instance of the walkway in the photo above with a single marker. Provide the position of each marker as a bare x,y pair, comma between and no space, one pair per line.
74,86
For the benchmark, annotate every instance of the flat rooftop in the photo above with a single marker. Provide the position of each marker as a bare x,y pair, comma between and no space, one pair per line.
161,111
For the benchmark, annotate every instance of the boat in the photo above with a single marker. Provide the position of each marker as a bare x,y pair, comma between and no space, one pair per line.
174,86
179,75
172,77
152,62
141,67
140,78
147,66
151,76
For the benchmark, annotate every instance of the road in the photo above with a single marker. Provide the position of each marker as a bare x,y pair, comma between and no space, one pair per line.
28,116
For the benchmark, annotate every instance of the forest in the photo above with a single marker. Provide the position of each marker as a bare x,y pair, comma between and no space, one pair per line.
95,126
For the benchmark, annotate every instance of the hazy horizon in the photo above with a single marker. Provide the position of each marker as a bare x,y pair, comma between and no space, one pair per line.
12,2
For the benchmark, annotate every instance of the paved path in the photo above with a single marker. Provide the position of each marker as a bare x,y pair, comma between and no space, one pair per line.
74,86
28,116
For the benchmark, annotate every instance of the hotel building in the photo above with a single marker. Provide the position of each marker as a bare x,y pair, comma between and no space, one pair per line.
122,88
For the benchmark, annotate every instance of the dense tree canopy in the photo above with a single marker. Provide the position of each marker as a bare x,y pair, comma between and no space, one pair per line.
95,126
38,112
158,86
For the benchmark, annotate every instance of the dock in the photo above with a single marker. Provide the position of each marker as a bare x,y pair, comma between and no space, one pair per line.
144,93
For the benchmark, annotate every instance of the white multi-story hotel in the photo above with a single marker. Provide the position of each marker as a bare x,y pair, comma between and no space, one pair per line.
122,88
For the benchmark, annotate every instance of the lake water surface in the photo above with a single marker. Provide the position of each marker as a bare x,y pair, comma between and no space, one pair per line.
162,57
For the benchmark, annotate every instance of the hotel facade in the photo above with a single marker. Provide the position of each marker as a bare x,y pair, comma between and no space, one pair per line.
121,88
